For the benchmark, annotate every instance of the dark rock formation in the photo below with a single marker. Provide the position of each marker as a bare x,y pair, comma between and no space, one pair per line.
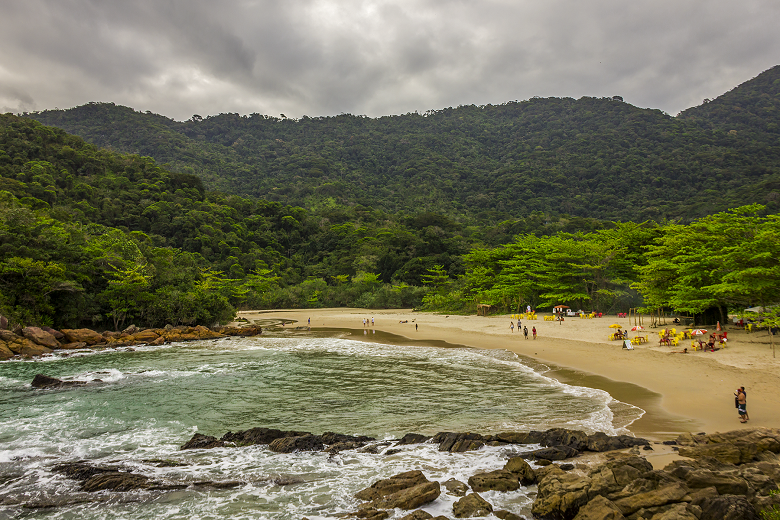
43,381
306,442
259,436
202,442
499,480
455,488
519,467
41,337
413,438
458,442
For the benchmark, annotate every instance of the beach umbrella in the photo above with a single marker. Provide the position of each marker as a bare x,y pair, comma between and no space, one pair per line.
615,326
699,332
637,327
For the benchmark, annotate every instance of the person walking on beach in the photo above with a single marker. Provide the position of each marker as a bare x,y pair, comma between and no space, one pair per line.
525,332
742,404
518,325
415,327
512,326
372,321
533,331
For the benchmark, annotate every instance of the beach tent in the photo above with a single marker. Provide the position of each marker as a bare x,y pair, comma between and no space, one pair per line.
755,309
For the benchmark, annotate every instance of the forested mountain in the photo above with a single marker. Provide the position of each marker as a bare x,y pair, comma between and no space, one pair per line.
590,157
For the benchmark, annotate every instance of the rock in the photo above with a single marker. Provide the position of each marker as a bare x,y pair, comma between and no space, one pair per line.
259,436
522,469
73,346
600,442
506,515
499,480
418,515
307,442
455,488
130,330
388,486
729,507
245,331
334,438
202,442
413,438
560,495
145,336
555,453
19,345
512,438
88,336
658,497
117,481
725,452
470,506
41,337
411,498
44,381
725,484
599,509
575,439
370,513
458,442
3,322
678,512
5,352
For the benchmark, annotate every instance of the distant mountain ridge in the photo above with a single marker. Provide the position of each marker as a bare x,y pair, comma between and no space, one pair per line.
591,157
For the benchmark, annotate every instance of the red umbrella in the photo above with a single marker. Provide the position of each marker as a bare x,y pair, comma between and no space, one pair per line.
699,332
637,327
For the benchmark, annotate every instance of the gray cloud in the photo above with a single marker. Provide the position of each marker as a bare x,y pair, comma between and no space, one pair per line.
376,57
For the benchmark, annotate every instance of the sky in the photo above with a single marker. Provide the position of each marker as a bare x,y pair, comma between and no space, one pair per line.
372,57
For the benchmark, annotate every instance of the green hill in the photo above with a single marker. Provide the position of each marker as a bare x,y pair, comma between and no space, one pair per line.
599,158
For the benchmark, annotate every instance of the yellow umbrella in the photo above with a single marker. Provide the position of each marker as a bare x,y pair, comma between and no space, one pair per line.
615,326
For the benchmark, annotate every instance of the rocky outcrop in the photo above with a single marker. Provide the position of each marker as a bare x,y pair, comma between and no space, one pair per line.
44,381
730,475
41,337
279,441
37,341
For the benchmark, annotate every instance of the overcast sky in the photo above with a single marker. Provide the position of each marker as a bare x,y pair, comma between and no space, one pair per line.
374,57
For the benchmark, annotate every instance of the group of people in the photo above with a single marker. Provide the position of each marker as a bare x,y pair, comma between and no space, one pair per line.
621,334
525,329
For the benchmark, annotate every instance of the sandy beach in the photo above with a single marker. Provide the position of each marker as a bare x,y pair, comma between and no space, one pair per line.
691,392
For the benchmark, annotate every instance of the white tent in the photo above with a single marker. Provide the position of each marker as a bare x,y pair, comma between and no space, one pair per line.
755,309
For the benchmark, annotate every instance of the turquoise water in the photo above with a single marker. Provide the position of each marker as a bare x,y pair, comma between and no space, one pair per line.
151,400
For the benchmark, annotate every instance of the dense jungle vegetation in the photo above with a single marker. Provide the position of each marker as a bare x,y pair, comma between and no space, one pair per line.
592,157
93,237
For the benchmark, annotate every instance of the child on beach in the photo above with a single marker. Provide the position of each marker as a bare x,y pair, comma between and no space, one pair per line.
534,332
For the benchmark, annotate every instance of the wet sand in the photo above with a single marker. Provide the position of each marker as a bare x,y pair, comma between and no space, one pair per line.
691,392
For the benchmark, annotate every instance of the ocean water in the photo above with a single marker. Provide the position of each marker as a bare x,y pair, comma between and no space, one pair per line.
150,401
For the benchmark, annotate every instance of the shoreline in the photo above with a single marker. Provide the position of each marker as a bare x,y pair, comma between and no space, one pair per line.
679,392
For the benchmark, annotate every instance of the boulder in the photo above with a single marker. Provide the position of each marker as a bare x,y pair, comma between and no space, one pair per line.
340,438
512,438
412,438
43,381
600,442
599,509
522,469
455,488
41,337
306,442
560,496
418,515
575,439
370,513
245,331
411,498
499,480
202,442
555,453
116,481
3,322
728,507
259,436
27,348
144,336
657,497
725,484
471,506
130,330
88,336
506,515
391,485
677,512
458,442
73,346
724,452
5,352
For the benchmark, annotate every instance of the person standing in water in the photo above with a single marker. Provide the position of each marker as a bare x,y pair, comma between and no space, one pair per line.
512,326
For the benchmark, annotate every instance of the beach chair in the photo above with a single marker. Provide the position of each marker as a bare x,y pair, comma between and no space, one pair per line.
694,345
